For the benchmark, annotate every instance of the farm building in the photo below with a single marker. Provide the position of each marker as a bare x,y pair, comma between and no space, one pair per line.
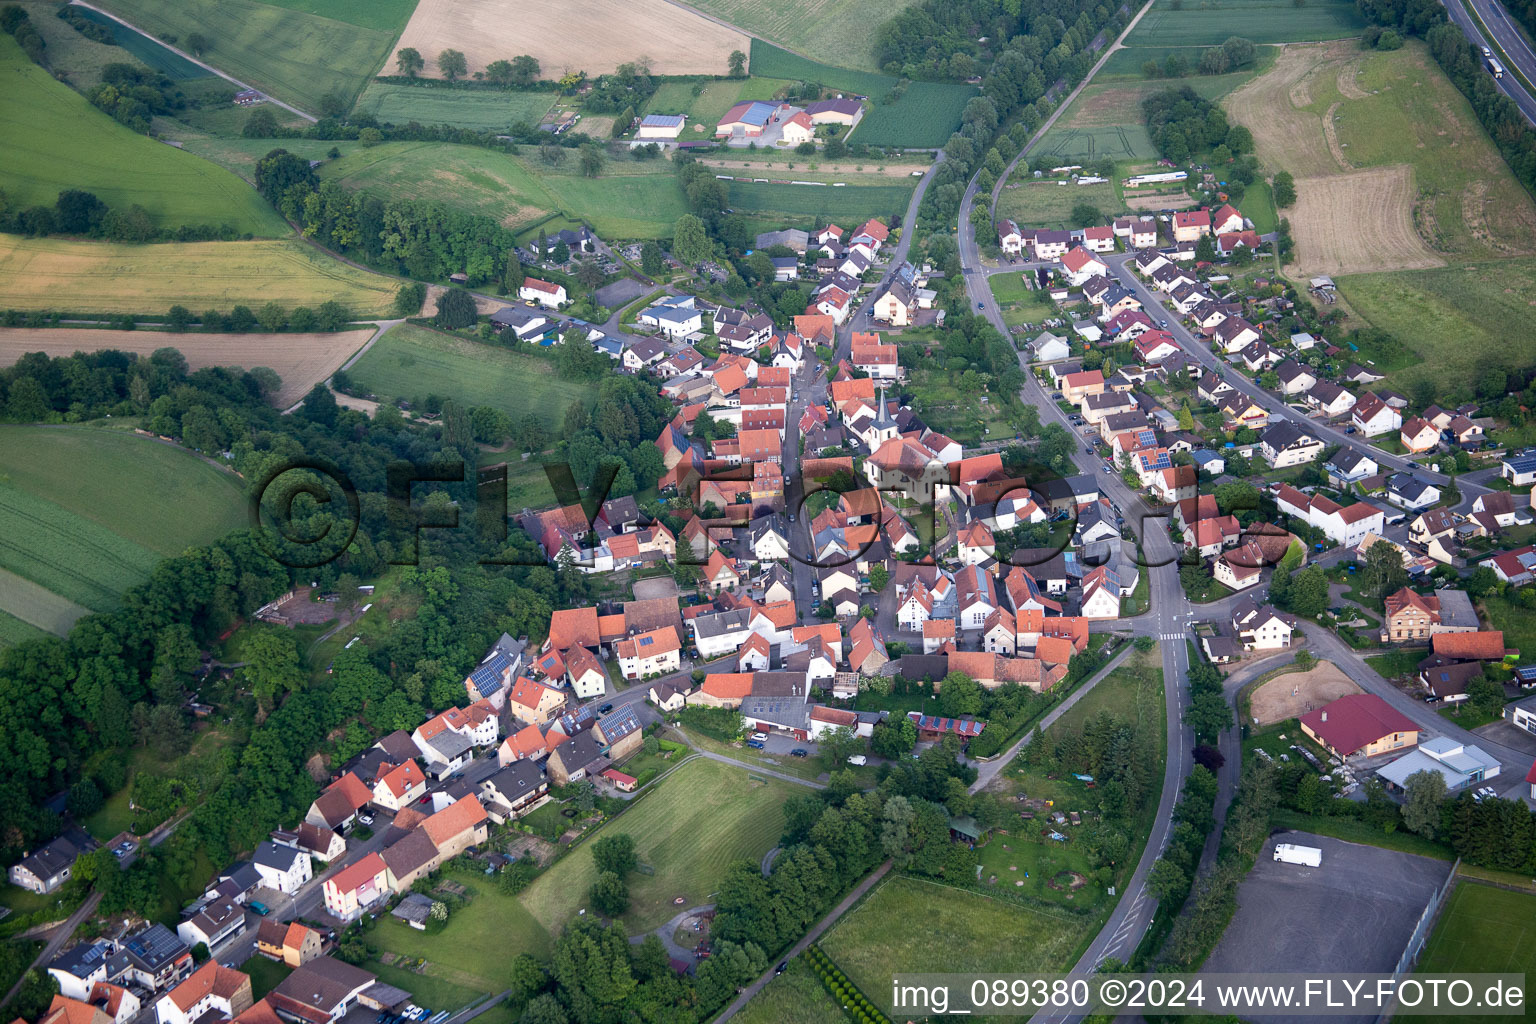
660,127
798,129
839,111
748,118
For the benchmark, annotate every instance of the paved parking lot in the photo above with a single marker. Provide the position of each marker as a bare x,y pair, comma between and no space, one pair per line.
1355,912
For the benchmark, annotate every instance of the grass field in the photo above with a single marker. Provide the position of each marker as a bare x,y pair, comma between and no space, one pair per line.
1482,928
282,49
155,495
1393,171
924,117
835,31
477,947
795,997
80,59
909,925
1456,319
706,102
384,15
265,974
1019,305
1049,204
56,140
85,514
413,362
1210,22
1518,625
594,36
301,360
401,104
821,205
690,828
630,200
104,277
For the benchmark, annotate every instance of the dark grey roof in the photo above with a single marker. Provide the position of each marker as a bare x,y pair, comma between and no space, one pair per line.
579,751
49,860
721,623
516,780
80,960
450,743
279,858
779,684
620,722
154,947
788,712
244,875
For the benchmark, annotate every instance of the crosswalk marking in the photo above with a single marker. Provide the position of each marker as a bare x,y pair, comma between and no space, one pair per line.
1171,636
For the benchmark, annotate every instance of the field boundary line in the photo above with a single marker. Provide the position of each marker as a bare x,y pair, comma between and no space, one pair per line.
200,63
996,899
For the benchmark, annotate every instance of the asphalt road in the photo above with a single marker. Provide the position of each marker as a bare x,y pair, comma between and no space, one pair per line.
1509,38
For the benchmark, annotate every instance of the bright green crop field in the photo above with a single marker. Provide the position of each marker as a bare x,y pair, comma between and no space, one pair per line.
85,514
836,31
1263,21
55,140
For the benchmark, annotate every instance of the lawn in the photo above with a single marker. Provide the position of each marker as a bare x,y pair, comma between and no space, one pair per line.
1018,304
1170,23
106,277
462,108
908,926
1455,319
476,947
266,974
1482,928
413,362
689,828
284,49
926,114
56,140
795,997
85,514
837,32
1398,664
814,206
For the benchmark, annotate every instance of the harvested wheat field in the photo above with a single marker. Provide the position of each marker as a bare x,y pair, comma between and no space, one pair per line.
108,277
301,360
1296,693
594,36
1358,223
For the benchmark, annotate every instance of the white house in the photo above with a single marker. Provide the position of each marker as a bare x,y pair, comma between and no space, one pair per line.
543,292
1079,265
281,867
1374,417
650,654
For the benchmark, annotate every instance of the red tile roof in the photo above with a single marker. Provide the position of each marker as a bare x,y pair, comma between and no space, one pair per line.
354,875
1487,645
455,819
1357,721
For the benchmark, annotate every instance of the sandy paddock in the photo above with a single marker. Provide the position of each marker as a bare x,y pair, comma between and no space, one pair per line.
301,360
1274,701
594,36
1357,223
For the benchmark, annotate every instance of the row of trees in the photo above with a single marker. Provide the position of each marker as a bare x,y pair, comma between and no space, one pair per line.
1234,54
77,212
521,71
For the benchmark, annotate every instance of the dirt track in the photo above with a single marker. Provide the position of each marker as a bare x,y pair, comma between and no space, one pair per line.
1274,701
301,360
594,36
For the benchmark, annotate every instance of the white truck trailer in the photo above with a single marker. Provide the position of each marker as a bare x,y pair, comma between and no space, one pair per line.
1311,856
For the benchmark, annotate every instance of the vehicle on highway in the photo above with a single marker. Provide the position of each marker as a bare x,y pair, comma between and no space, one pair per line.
980,306
1487,52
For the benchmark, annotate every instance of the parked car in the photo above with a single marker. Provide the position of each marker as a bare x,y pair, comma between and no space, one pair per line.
259,909
605,709
366,819
755,744
781,968
799,752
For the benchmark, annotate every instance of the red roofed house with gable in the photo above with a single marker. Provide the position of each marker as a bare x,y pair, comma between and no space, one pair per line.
542,292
